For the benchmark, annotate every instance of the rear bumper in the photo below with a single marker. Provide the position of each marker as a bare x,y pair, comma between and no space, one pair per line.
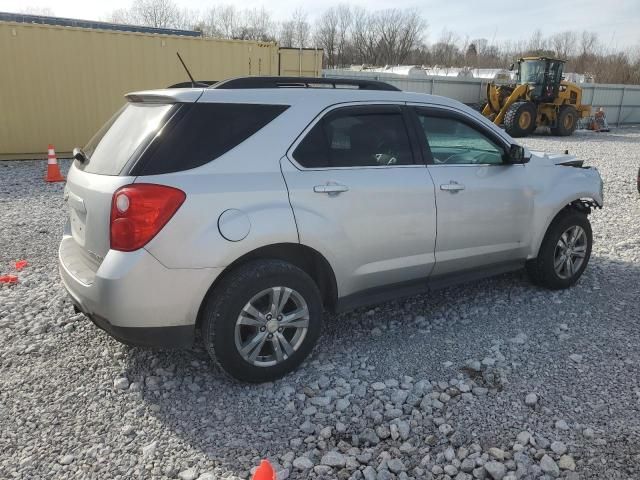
180,336
137,300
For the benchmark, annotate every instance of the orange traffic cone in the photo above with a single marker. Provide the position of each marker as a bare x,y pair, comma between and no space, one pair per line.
264,471
53,171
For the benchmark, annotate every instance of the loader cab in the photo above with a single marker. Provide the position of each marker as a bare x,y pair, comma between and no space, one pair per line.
543,75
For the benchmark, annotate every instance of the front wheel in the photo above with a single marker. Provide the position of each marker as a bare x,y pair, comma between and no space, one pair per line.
520,119
262,320
564,253
567,121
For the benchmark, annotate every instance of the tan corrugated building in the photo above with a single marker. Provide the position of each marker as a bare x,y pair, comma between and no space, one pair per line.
59,84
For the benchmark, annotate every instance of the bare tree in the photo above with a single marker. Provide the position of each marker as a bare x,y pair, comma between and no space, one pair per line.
345,20
156,13
152,13
588,42
121,15
287,33
31,10
257,25
326,35
225,21
564,44
301,29
400,32
537,43
471,54
221,22
366,36
445,52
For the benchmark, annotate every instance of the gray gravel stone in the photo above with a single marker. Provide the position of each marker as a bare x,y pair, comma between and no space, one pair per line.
189,474
549,466
67,460
496,470
566,462
497,453
150,449
333,459
558,448
395,465
302,463
121,383
523,438
577,358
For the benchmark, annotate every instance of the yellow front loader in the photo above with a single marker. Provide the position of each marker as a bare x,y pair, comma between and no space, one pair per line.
538,98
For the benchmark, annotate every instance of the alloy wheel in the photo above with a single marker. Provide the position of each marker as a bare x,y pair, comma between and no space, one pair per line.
570,252
272,326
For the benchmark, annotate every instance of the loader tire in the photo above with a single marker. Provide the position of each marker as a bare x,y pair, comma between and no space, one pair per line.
567,121
520,119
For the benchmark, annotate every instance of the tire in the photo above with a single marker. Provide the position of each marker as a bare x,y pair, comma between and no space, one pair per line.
542,270
567,121
254,282
520,119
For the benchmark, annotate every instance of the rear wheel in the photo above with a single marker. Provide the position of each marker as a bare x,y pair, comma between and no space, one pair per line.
262,320
564,253
520,119
567,121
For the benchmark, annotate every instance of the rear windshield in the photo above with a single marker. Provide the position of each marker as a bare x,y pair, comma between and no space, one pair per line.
127,132
202,132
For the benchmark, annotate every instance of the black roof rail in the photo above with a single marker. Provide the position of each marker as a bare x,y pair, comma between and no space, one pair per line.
302,82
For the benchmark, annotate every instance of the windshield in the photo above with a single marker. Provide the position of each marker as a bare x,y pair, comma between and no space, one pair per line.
131,128
532,71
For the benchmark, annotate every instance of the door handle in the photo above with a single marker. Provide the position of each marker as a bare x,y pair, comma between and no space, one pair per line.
330,188
452,186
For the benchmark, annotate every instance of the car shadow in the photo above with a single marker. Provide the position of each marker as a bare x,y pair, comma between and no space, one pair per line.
235,424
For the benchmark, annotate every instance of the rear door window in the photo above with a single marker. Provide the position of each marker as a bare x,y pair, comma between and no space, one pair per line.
202,132
128,131
368,136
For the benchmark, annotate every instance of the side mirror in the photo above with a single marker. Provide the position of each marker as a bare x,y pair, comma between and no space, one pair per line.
512,67
79,155
516,155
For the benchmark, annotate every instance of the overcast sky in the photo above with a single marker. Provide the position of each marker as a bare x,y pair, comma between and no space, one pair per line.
616,21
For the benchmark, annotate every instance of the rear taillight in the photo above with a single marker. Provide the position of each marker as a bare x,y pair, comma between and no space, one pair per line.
138,213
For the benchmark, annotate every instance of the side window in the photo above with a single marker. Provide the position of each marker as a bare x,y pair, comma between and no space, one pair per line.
454,142
356,137
205,132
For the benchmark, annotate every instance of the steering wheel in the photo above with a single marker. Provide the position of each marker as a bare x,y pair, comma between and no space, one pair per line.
385,155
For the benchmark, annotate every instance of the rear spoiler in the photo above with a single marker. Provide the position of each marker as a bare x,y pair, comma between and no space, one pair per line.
165,96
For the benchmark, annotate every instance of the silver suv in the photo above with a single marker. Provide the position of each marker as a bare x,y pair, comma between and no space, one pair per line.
246,209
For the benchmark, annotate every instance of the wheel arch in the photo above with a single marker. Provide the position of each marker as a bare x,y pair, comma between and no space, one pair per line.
580,204
302,256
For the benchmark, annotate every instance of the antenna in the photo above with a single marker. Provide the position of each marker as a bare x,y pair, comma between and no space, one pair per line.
193,82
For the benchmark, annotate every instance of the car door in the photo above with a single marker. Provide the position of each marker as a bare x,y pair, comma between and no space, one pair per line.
485,204
362,196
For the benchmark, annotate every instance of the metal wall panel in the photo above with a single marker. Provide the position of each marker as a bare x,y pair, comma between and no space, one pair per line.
620,102
295,62
60,84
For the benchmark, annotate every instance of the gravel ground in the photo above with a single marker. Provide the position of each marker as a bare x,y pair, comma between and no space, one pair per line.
496,380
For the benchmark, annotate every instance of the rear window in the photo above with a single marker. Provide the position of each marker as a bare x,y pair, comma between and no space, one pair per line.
202,132
127,132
